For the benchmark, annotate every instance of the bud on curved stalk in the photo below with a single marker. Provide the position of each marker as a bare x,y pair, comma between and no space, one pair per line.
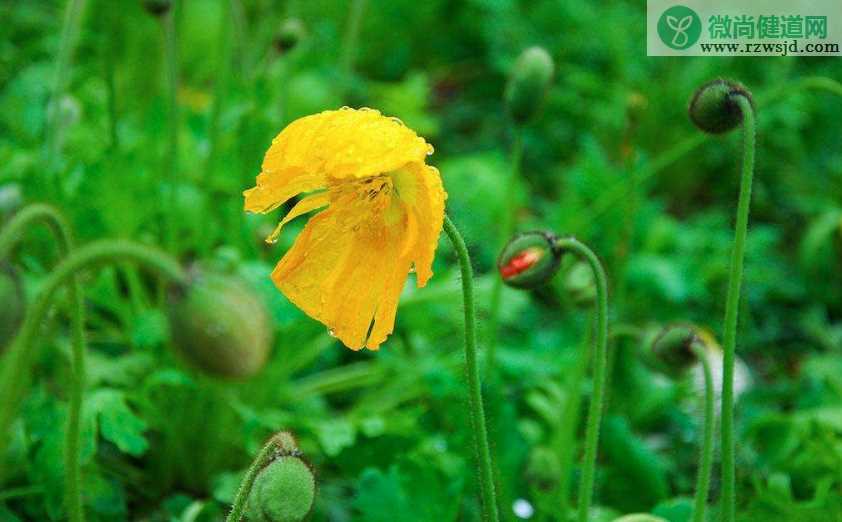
718,107
529,260
528,84
290,33
157,7
220,326
674,350
279,486
14,303
714,107
640,517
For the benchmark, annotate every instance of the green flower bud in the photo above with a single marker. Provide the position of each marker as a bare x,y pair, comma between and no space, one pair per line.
284,491
640,517
157,7
529,260
220,326
14,303
672,350
286,444
528,84
714,108
579,284
289,34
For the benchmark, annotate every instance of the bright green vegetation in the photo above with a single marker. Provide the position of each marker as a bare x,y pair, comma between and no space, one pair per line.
146,129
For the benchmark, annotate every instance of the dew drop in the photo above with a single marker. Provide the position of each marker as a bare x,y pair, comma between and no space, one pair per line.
412,268
331,332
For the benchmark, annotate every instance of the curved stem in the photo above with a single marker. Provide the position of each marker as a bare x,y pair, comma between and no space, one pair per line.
9,236
706,451
732,305
489,497
15,370
356,9
506,230
263,458
600,364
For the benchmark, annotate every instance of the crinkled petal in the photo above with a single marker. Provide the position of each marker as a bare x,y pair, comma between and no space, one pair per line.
426,202
332,145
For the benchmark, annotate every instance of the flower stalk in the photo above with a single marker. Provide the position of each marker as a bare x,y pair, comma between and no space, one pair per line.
9,237
489,496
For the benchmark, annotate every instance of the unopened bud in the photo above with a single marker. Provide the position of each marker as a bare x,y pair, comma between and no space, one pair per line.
714,106
289,34
284,491
220,326
528,83
673,351
14,304
529,260
157,7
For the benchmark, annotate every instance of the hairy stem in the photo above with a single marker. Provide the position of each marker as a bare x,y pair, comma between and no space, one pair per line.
15,371
600,364
706,450
732,305
489,497
263,458
9,236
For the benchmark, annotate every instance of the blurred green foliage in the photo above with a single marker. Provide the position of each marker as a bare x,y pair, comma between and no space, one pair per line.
388,432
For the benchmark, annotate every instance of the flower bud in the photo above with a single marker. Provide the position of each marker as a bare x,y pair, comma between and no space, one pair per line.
672,349
529,260
714,108
528,83
579,284
289,34
284,491
157,7
220,326
14,304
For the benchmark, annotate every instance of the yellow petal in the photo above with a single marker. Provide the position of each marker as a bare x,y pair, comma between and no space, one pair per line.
424,196
307,204
333,144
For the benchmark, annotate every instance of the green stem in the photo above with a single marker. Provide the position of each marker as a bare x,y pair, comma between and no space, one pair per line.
263,458
109,44
505,231
69,33
706,451
356,8
172,170
489,497
600,363
732,306
567,440
9,236
15,371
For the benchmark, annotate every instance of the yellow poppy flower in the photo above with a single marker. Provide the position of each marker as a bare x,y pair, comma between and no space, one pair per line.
383,216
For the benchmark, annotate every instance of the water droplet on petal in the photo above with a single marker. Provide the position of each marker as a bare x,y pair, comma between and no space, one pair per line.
412,268
331,332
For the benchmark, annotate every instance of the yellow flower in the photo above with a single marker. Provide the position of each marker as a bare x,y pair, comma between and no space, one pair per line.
385,209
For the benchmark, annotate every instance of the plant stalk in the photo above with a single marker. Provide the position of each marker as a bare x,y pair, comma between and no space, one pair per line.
706,451
489,497
263,458
732,305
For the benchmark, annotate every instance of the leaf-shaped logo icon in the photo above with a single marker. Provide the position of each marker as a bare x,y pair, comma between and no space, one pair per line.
679,39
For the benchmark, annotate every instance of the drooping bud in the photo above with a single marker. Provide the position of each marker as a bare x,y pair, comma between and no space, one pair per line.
284,490
529,260
157,7
14,304
672,350
580,285
714,107
528,84
289,34
220,326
